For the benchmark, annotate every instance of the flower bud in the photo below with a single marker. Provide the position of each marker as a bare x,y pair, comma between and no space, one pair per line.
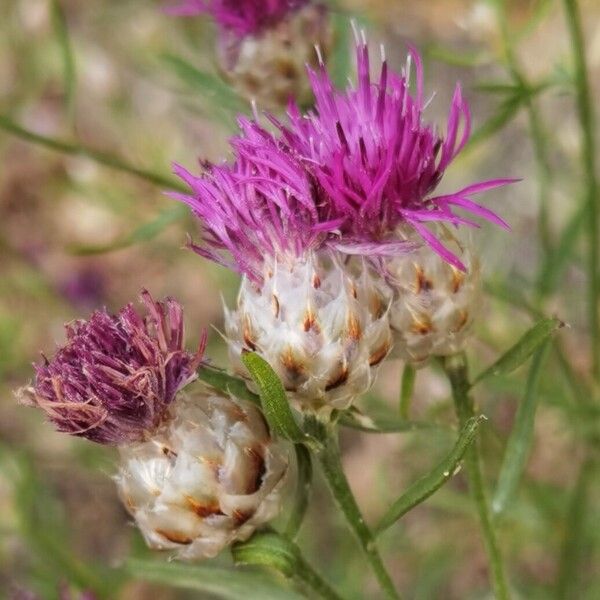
113,380
434,303
270,66
210,476
321,327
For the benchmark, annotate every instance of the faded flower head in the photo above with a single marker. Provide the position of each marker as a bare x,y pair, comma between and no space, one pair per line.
115,377
242,17
210,476
375,163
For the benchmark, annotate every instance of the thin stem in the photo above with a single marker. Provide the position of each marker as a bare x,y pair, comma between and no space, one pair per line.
572,550
456,370
306,575
302,495
332,467
103,158
535,124
586,119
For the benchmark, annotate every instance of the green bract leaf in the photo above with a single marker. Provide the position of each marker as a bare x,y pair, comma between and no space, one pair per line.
523,349
143,233
269,549
521,436
301,496
433,481
273,398
229,384
230,584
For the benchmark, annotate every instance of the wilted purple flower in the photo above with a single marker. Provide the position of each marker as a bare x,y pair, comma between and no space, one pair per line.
241,17
113,380
260,210
375,162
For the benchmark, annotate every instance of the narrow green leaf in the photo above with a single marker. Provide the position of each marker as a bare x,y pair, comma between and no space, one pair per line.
143,233
211,85
229,584
222,381
103,158
59,23
558,260
426,486
521,437
273,398
269,549
523,349
407,387
302,493
354,419
506,112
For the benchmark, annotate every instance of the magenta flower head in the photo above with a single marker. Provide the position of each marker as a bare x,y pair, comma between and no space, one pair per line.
258,211
376,163
241,17
115,377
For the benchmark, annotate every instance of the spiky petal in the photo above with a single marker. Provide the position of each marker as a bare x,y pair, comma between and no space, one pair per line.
324,330
375,161
113,380
258,211
210,476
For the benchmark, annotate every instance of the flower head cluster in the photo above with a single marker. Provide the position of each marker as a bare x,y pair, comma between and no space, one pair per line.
375,163
241,17
257,211
114,379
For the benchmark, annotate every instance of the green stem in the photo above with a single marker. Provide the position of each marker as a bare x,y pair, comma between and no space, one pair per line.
332,467
302,495
586,119
407,388
306,575
103,158
572,549
456,370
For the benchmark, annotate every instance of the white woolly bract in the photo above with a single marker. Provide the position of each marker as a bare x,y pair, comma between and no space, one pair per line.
270,67
322,328
434,303
210,476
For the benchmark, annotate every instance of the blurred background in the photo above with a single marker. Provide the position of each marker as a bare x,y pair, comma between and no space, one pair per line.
91,91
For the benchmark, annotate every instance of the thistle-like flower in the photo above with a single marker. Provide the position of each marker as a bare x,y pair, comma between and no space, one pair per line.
374,165
322,326
264,45
115,377
210,476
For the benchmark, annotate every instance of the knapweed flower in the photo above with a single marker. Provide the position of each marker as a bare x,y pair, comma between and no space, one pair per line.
321,326
374,165
264,45
113,380
210,476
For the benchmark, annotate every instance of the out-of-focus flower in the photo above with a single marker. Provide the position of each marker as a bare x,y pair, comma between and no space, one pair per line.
376,163
321,326
210,476
115,377
435,303
264,45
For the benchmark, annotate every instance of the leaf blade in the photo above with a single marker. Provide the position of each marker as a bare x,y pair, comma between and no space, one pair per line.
427,485
527,344
223,382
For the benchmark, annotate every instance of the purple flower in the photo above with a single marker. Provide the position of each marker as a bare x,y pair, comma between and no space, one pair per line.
376,163
116,376
241,17
258,211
